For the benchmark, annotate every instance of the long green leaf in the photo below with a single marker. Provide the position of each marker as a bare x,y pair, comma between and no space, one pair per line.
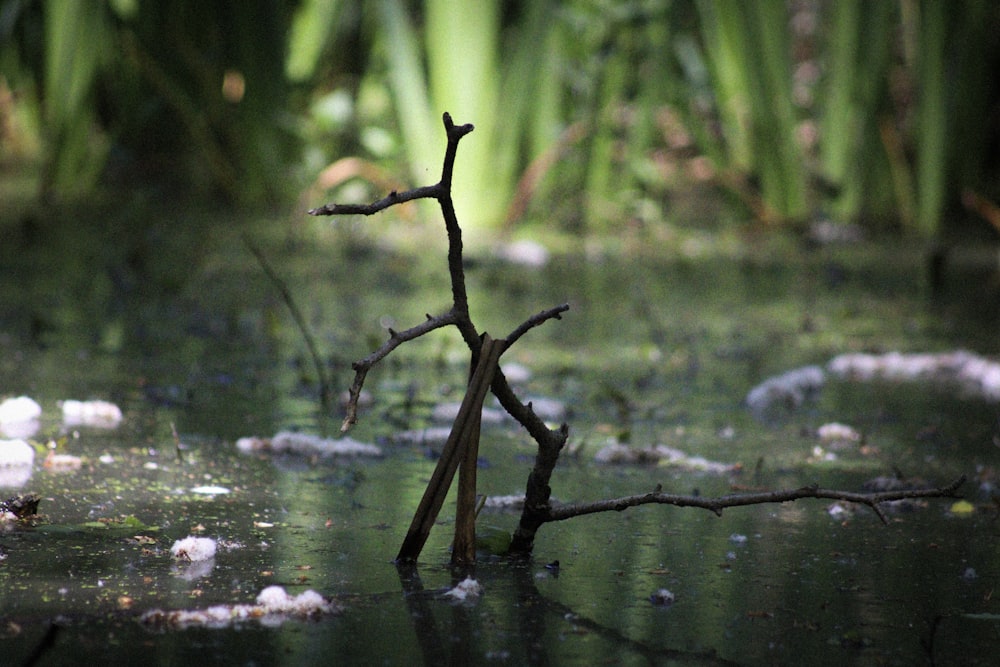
406,78
932,137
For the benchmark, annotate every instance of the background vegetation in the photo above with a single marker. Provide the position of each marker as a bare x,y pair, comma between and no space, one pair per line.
589,113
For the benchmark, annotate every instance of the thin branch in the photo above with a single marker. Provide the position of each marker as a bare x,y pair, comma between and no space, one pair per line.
718,504
459,313
535,320
396,338
464,430
463,549
393,198
456,270
325,392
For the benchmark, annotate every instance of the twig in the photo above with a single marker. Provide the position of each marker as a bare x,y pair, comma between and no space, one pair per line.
396,338
535,320
718,504
464,435
463,431
463,551
325,393
393,198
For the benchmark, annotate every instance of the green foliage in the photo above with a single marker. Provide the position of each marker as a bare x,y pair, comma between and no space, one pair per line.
456,61
852,91
750,63
188,91
866,111
76,48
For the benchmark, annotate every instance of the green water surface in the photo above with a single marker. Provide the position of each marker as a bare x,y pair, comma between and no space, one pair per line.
660,347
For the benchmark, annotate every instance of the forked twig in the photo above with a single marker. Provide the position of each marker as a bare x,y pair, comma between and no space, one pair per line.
396,338
466,431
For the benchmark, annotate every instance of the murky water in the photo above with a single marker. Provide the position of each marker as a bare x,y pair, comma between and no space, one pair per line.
657,349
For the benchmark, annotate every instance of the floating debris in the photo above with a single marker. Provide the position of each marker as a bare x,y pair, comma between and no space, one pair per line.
273,606
821,455
467,590
511,502
788,390
447,412
548,409
523,253
423,437
210,490
840,510
310,445
662,598
62,462
16,460
16,452
19,417
738,538
617,453
970,372
516,373
20,409
192,549
99,414
19,507
838,436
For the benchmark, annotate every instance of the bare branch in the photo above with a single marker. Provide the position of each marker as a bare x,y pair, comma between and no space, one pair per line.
535,320
393,198
538,508
718,504
396,338
463,441
459,313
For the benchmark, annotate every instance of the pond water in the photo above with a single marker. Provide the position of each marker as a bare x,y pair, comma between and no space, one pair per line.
659,347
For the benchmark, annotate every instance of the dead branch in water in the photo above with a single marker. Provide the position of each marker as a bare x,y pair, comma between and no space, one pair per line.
466,432
463,440
873,500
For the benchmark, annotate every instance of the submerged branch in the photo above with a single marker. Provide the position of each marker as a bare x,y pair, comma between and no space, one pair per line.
718,504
